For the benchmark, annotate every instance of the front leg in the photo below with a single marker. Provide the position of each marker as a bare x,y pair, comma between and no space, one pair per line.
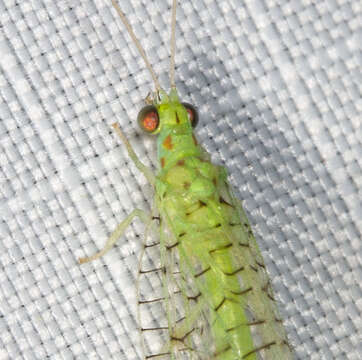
140,166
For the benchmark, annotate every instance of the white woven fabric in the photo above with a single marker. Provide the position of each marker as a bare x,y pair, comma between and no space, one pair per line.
278,87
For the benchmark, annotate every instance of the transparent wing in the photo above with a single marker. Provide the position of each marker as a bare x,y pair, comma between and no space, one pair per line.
269,336
149,293
171,314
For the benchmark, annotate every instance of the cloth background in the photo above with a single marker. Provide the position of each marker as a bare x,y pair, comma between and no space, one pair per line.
278,87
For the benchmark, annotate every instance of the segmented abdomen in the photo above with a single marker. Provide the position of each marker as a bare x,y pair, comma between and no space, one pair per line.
218,254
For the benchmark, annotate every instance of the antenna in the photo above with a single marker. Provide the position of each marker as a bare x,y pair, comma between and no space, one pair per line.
173,44
137,43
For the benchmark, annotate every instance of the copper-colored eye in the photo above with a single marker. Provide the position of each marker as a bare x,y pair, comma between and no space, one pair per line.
192,114
148,119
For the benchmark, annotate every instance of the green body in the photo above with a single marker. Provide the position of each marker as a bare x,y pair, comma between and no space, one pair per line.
203,223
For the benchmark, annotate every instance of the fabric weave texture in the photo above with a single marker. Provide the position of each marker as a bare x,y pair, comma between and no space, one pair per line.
278,88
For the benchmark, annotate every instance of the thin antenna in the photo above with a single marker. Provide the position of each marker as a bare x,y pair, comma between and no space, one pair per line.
173,44
137,43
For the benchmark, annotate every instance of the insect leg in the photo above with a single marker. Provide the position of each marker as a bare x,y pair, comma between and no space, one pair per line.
140,166
117,233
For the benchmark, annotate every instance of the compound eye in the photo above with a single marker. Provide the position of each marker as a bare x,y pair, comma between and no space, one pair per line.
148,119
192,114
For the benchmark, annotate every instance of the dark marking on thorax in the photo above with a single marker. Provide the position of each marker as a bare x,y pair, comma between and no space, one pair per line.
167,143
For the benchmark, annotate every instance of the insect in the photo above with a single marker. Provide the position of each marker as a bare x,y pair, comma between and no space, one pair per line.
216,294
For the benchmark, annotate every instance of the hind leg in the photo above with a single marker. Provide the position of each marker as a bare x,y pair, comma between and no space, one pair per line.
117,233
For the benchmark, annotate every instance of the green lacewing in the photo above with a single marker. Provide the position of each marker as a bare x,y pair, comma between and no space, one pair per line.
216,300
